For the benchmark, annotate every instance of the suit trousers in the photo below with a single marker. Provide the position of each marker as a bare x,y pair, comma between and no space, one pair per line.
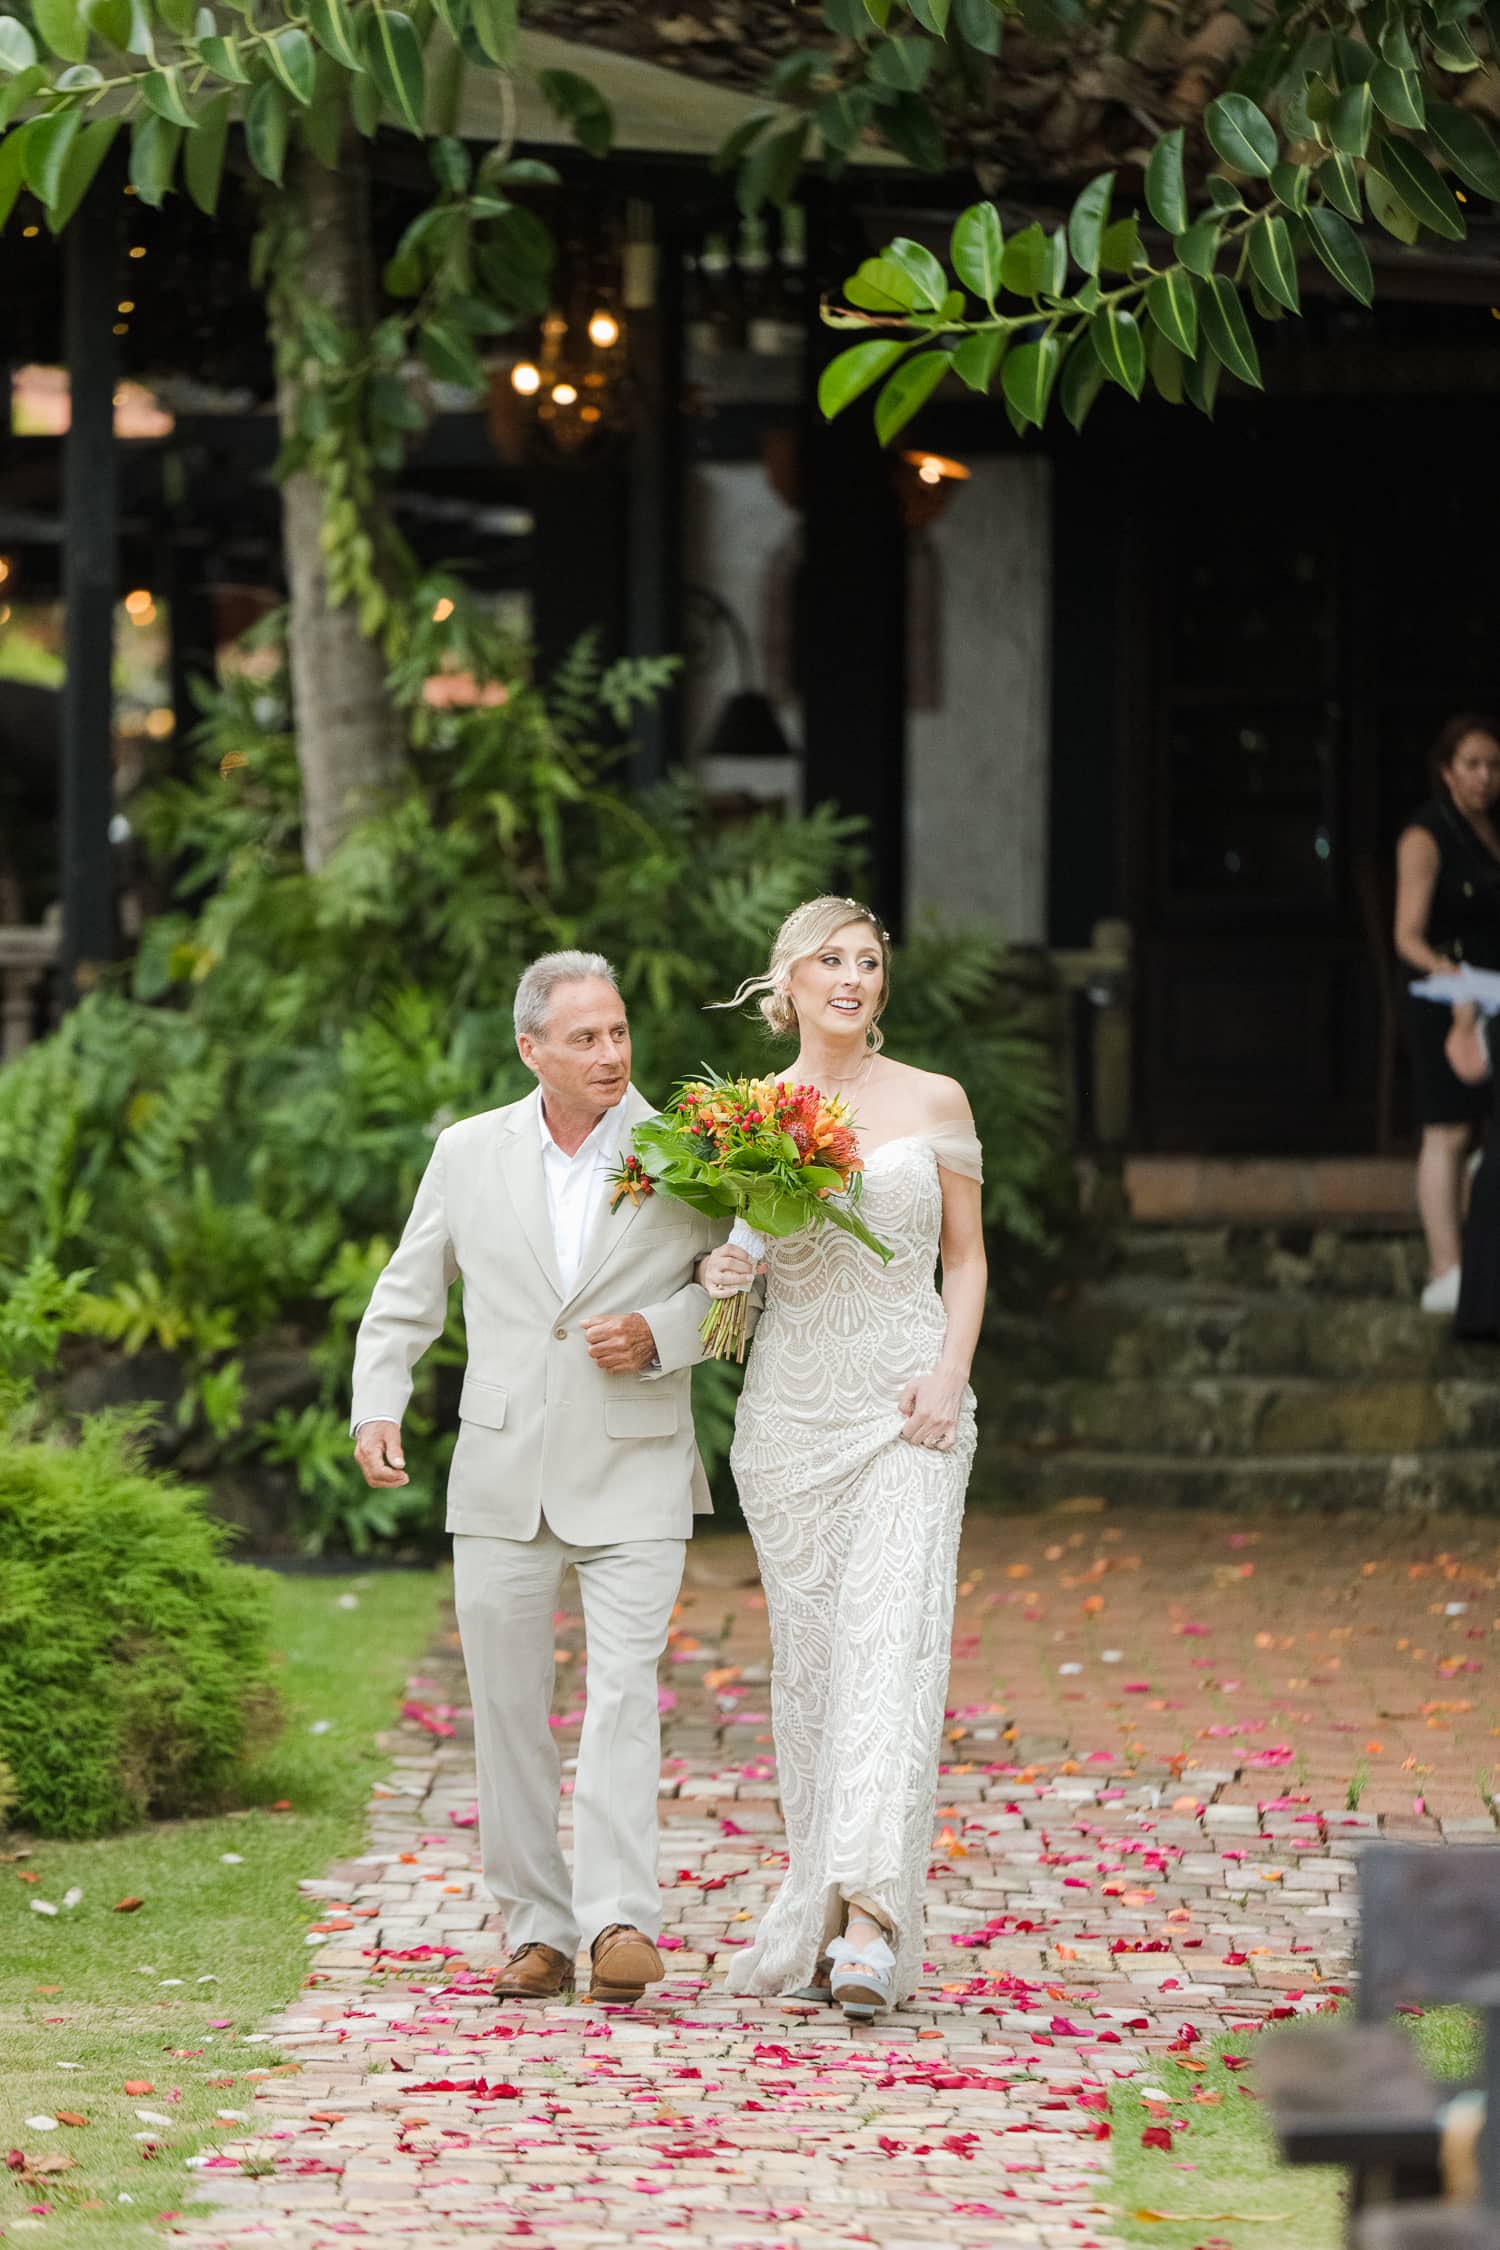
507,1592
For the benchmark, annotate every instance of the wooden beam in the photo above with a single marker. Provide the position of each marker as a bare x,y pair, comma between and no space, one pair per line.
88,576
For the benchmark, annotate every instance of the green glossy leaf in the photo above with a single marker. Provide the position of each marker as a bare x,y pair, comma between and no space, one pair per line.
913,131
1350,119
1166,365
161,90
290,55
881,286
266,122
1055,263
907,391
879,12
1120,246
1452,48
932,15
364,103
979,355
1339,180
203,158
1166,191
333,29
449,355
44,149
853,372
497,29
1200,383
977,250
1119,347
10,174
1353,62
771,172
79,169
1086,221
1242,135
1027,374
1027,262
1398,96
1221,317
141,40
1420,186
1172,302
17,92
927,276
1468,145
842,118
1273,261
1223,194
730,153
109,20
1341,251
154,143
1289,185
1080,383
1198,249
17,47
902,65
1395,44
1388,210
322,122
581,106
393,57
222,55
62,27
978,24
79,78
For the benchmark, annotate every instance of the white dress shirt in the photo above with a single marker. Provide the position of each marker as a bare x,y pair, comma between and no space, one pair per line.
577,1186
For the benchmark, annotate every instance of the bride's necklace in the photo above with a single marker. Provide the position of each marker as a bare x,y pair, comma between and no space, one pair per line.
853,1084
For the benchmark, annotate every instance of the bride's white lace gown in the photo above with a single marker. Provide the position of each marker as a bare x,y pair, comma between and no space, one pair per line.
857,1536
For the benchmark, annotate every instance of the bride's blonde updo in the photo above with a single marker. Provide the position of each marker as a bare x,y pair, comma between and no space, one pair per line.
805,932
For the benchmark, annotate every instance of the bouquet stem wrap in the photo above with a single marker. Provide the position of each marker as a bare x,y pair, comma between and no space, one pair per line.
726,1328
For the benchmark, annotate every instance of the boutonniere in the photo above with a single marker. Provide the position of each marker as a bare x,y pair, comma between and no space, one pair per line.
632,1180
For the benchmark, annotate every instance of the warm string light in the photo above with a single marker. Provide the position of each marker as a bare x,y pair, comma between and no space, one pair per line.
526,379
443,611
604,330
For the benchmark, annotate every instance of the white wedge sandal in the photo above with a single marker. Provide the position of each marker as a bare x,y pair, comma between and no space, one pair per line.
863,1980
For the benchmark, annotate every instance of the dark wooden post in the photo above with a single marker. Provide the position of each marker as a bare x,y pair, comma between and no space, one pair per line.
852,605
653,561
88,578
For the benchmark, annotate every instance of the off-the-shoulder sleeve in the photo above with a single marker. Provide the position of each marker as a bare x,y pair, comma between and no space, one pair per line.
957,1149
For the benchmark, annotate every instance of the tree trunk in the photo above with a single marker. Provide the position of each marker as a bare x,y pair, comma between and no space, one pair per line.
350,741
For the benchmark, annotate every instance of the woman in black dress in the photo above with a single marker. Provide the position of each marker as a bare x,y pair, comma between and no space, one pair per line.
1448,911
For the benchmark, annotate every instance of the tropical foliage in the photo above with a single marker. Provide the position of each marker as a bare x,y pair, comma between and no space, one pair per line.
208,1167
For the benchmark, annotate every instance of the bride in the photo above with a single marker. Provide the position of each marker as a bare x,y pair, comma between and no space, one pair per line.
852,1449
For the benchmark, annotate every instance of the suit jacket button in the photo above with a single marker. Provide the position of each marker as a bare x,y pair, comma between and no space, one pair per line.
561,1334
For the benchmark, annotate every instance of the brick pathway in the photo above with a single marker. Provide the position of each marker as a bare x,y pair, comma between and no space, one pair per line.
1145,1836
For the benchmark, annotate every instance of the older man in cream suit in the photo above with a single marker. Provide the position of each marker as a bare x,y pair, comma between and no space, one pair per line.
575,1449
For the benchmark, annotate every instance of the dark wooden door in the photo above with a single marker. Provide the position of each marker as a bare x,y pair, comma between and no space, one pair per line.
1297,626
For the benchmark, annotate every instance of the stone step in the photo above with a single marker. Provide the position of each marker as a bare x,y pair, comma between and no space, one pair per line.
1140,1326
1324,1261
1250,1415
1417,1484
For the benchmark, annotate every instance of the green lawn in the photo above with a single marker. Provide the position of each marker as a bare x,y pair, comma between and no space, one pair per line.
169,1993
1222,2179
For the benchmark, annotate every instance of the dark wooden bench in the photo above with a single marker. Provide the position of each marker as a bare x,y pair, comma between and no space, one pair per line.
1353,2092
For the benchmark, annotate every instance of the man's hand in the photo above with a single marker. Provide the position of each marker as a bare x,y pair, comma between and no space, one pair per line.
622,1345
377,1449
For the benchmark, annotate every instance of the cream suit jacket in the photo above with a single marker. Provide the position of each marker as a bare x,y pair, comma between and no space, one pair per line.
542,1429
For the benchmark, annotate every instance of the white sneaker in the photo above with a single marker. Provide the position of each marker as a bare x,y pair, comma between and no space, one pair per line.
1441,1293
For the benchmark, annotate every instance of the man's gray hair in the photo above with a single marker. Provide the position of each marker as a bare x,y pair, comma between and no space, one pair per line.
539,983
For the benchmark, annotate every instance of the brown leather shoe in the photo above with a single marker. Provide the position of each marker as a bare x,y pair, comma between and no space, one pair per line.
624,1963
535,1972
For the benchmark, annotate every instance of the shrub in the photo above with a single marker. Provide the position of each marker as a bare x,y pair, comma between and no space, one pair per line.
134,1670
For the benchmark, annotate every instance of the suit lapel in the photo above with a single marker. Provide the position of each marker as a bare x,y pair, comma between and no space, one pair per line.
611,1227
521,1168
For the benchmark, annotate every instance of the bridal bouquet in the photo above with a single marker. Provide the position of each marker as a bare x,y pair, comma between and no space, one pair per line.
770,1155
